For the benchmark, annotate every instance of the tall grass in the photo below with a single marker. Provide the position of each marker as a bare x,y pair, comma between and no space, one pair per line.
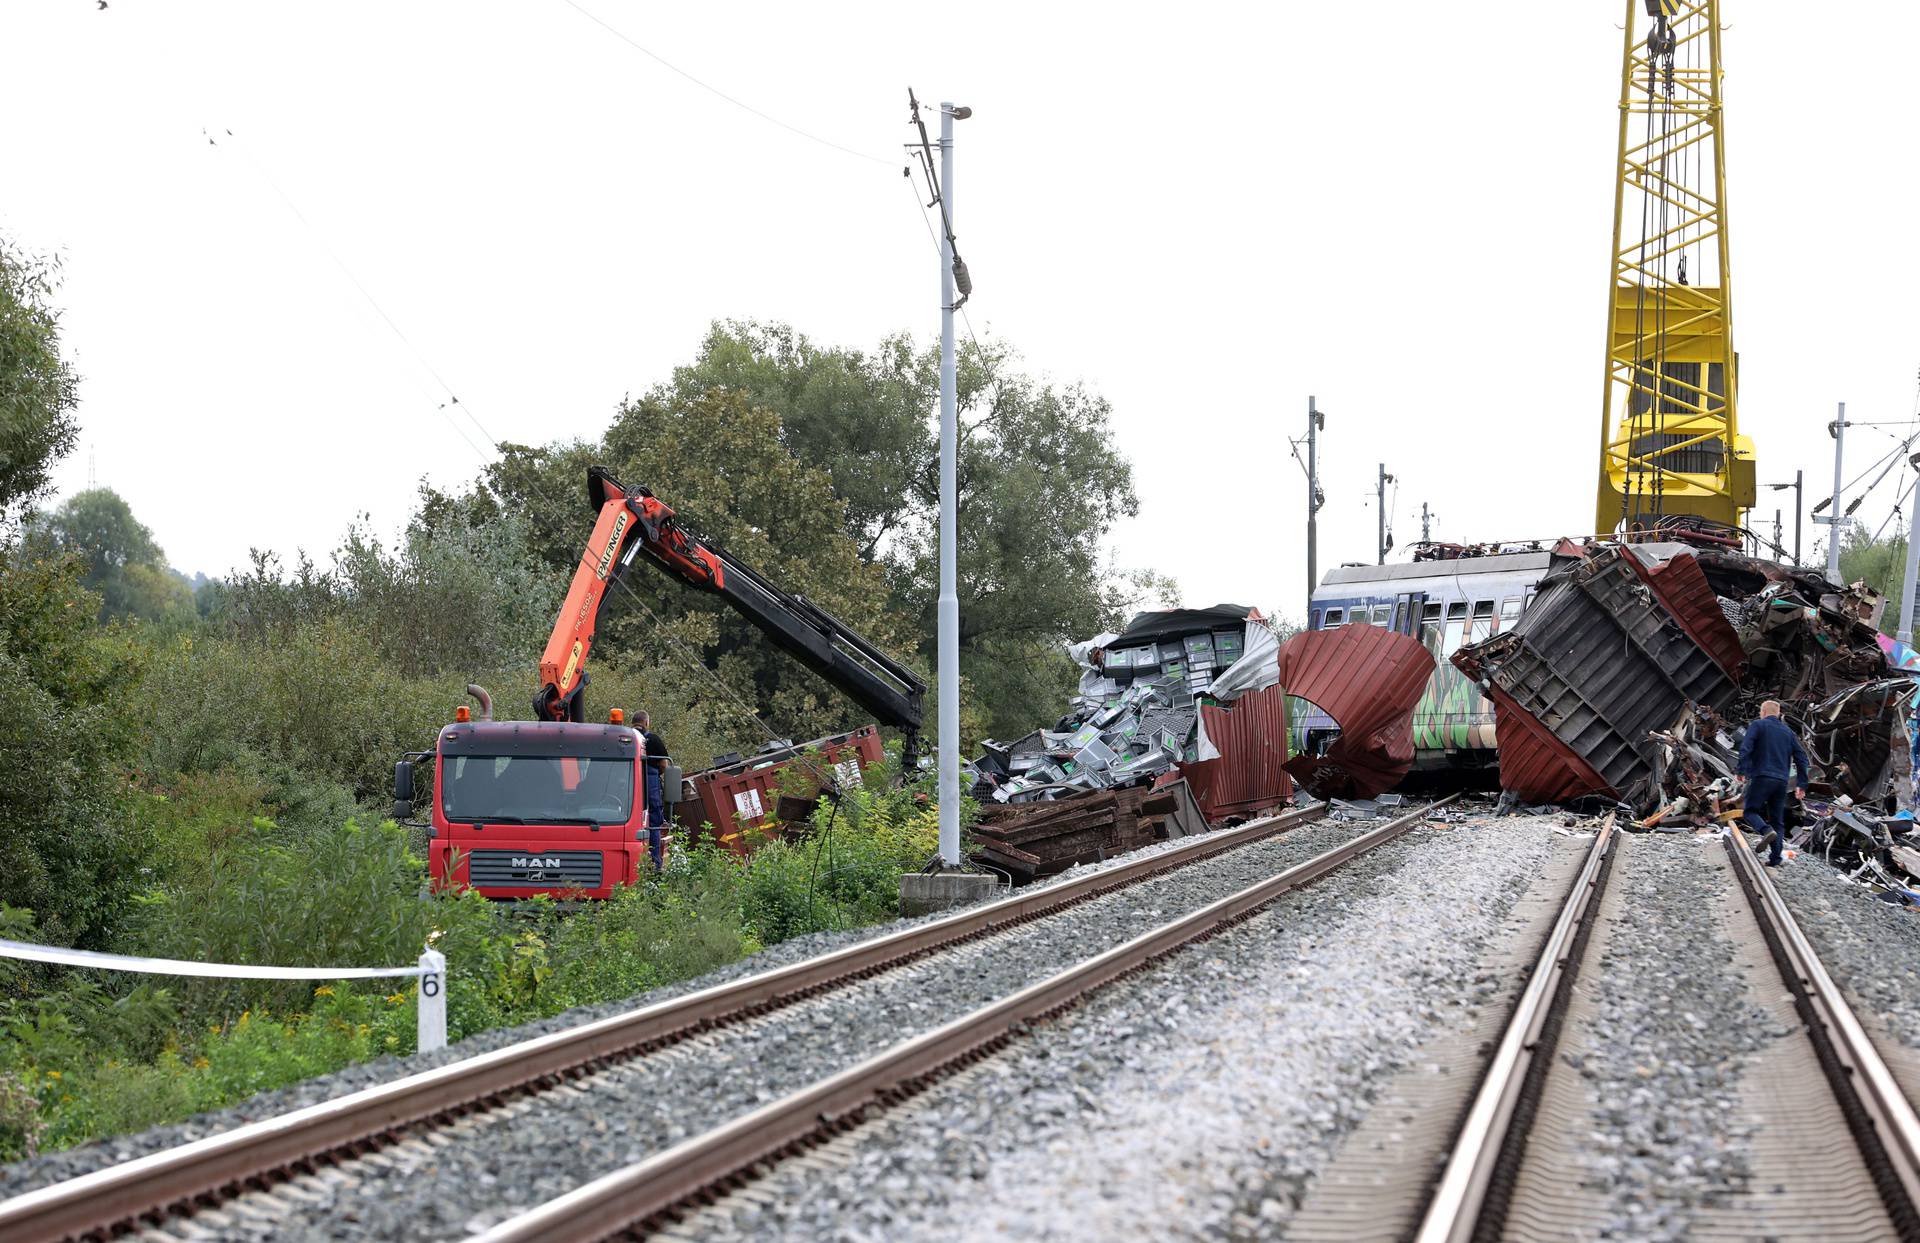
84,1054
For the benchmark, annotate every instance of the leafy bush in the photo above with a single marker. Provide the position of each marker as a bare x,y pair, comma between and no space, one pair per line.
66,850
309,703
346,895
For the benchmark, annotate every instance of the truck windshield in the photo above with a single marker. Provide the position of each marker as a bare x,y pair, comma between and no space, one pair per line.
536,789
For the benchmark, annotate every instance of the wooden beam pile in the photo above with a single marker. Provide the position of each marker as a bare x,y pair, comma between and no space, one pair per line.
1027,840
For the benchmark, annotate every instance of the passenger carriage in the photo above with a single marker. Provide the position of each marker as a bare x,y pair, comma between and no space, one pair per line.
1444,604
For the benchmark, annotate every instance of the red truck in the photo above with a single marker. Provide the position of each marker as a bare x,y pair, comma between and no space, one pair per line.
557,805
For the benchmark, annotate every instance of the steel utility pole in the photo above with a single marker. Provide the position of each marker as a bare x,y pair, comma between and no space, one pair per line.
1799,508
1835,521
1380,497
1315,421
1905,634
949,602
1426,524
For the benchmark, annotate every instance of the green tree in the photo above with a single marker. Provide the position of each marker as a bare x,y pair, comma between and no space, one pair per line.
124,565
1040,488
860,417
725,468
1881,564
67,849
38,391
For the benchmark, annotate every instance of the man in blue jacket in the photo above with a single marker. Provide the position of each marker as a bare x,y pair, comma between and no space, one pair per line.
1769,755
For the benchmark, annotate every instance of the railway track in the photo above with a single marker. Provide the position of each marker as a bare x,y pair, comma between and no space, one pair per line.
653,1192
1836,1115
200,1177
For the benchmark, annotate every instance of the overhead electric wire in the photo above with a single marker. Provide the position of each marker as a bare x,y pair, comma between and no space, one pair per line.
716,91
727,692
260,171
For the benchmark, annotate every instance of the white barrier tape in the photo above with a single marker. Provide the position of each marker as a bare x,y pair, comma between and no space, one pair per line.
182,966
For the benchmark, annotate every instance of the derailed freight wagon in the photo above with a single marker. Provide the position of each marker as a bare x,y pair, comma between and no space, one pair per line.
740,795
1636,664
1184,704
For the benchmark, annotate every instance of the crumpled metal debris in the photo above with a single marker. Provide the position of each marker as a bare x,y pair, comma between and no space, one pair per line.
1137,711
1634,671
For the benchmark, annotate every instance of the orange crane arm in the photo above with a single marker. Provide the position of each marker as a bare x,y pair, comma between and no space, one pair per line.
633,522
627,522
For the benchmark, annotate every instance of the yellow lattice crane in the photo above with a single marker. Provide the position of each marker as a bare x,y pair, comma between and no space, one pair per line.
1670,445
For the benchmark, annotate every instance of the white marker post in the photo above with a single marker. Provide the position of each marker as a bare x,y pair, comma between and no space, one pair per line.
433,1001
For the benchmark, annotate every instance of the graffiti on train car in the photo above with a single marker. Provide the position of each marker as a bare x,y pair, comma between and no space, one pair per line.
1446,605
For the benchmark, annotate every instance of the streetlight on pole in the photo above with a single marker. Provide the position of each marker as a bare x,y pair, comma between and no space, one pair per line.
1380,501
1799,507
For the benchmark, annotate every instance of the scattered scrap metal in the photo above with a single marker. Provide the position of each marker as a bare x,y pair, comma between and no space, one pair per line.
1178,722
1634,670
1137,713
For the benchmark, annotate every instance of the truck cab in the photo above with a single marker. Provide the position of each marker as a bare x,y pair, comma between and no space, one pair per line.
529,807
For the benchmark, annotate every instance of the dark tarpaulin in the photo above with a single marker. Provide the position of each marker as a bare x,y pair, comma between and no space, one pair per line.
1367,679
1146,627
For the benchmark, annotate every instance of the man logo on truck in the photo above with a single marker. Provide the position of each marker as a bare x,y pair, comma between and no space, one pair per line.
550,861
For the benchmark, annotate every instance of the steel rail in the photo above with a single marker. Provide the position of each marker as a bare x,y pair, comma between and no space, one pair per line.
1488,1137
1877,1111
259,1153
722,1157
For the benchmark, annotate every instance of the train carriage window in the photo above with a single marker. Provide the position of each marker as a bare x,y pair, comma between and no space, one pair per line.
1482,621
1509,613
1430,628
1382,614
1313,620
1333,617
1400,617
1456,632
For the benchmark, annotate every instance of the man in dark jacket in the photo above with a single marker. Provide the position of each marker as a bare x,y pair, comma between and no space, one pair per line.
655,768
1770,754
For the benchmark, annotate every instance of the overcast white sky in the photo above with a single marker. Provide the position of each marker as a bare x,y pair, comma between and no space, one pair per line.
1205,212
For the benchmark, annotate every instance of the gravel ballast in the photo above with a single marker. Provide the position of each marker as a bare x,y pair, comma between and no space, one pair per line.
1661,1044
631,1111
1870,947
20,1176
1195,1100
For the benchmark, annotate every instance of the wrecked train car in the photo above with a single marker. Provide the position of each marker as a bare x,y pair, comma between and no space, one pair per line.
1446,597
1622,674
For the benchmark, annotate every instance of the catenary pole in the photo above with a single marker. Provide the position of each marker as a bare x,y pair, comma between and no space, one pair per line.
1380,503
1834,519
1799,509
1314,419
1905,634
949,604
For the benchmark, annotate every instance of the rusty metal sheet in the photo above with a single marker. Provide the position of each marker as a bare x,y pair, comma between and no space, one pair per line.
1535,765
1250,776
1683,588
1367,679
